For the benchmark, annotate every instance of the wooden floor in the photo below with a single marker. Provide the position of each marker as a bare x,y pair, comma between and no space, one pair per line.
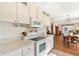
59,46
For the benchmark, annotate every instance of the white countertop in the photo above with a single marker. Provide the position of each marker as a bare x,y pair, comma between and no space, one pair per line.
11,46
46,35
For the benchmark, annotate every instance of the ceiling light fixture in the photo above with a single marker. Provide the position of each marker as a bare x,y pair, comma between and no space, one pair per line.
67,22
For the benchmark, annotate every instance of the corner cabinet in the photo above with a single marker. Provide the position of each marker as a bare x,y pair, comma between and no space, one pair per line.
46,20
8,11
23,13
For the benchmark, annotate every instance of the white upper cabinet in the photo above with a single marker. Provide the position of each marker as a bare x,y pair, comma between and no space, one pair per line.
48,21
45,19
33,10
8,11
39,14
23,13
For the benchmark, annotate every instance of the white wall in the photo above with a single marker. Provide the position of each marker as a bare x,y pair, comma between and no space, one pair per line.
8,30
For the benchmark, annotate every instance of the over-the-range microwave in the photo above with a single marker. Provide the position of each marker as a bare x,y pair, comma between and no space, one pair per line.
35,22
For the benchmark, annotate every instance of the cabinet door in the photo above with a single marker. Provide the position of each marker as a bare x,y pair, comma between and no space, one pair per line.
49,43
25,51
23,13
39,14
33,10
17,52
8,11
46,19
28,50
31,50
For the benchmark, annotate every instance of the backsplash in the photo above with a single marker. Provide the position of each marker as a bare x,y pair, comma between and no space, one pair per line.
8,30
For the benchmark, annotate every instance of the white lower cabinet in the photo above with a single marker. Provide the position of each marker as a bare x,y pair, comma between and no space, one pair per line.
28,50
49,43
17,52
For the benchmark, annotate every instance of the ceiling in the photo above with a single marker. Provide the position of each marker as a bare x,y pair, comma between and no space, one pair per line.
59,11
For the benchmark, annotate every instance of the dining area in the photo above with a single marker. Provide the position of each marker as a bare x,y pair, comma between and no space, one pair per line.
68,43
70,40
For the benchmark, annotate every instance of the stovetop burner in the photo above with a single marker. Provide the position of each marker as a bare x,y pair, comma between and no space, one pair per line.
37,38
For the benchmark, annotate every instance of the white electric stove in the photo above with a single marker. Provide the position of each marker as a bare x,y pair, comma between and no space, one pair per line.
40,43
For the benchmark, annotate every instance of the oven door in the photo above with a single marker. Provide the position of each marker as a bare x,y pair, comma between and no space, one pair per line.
41,47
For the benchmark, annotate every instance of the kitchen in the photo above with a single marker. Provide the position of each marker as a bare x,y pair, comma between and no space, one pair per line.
20,25
39,29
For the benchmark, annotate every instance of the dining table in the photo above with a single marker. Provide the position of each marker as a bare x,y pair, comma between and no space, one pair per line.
67,40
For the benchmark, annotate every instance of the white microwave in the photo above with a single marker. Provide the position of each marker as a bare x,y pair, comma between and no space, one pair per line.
35,22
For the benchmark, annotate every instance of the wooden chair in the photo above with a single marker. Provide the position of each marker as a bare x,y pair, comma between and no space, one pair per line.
65,41
72,40
68,40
